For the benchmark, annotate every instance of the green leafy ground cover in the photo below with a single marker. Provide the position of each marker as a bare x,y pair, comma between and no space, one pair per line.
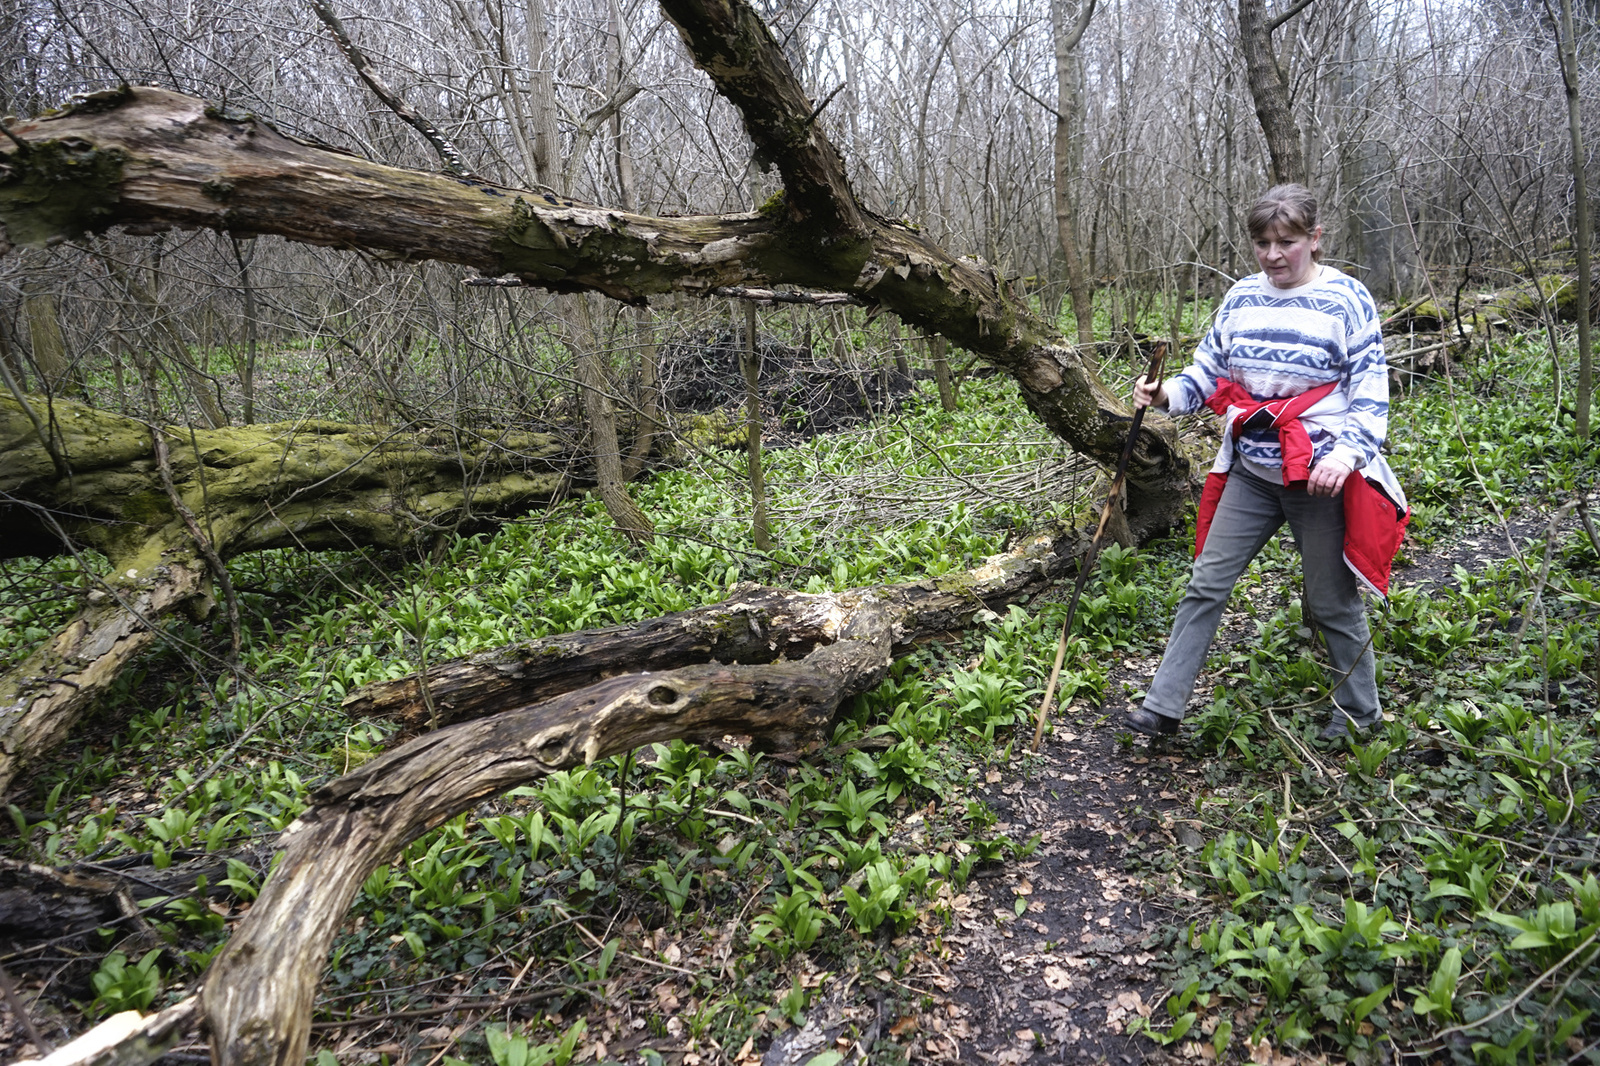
1431,892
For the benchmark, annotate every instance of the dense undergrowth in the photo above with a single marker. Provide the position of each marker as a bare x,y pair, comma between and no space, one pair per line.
1432,892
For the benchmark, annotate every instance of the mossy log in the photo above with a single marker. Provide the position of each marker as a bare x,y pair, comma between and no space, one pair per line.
1518,305
151,160
74,477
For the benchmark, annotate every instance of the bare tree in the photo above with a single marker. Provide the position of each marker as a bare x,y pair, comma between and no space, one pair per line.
1069,155
1582,231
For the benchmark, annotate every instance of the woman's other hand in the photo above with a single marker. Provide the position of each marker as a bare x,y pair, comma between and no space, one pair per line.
1147,391
1327,478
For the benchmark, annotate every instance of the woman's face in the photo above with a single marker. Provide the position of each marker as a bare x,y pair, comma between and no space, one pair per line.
1285,255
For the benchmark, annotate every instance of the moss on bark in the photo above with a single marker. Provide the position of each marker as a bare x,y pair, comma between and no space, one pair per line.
308,485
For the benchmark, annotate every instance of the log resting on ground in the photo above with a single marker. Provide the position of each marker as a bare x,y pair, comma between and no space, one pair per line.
260,991
755,625
319,485
151,160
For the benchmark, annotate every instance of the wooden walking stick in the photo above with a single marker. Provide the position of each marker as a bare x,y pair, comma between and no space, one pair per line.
1153,374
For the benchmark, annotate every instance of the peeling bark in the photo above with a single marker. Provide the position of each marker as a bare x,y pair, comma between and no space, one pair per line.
43,697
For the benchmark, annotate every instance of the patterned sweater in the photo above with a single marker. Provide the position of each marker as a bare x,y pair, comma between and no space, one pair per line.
1281,342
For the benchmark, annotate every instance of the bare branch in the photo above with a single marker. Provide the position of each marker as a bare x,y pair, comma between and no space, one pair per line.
369,74
1289,14
1070,41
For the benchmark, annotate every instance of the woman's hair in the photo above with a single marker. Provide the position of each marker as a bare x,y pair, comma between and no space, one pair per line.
1290,206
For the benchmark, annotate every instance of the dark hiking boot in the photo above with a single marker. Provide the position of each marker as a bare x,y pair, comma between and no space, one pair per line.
1151,724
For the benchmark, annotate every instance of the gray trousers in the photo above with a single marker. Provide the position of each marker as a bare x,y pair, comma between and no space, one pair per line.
1250,511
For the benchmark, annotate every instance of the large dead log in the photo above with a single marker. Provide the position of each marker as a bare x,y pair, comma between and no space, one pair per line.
152,160
77,477
259,993
755,625
149,160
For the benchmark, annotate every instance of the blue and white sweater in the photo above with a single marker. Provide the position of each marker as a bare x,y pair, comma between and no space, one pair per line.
1282,342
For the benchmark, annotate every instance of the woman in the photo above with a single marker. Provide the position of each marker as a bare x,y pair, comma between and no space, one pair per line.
1294,364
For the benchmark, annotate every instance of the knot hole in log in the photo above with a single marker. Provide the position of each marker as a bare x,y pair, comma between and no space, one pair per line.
663,695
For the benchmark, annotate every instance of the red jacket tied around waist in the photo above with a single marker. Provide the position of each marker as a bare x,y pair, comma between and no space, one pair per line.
1375,515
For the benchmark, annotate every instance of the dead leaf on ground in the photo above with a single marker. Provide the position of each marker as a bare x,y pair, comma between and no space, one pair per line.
1057,979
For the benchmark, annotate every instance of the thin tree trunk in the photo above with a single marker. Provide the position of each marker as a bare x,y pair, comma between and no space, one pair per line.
541,94
649,392
48,346
247,367
1270,93
750,364
649,395
897,343
1069,157
937,352
14,365
600,415
1583,235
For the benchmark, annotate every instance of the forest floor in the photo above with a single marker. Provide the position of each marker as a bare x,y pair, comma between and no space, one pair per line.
923,889
1053,955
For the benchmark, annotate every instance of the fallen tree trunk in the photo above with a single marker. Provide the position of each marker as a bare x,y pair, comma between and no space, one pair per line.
150,160
755,625
75,477
259,993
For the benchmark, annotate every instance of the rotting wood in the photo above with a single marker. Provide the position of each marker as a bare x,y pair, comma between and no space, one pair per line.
259,993
260,990
753,625
39,902
821,649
